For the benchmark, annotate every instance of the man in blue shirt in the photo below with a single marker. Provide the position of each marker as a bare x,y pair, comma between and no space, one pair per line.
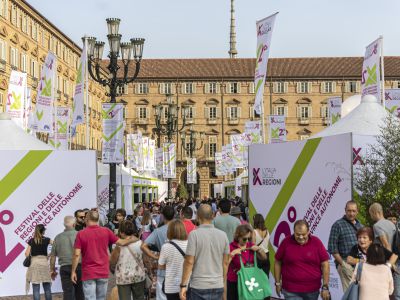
342,238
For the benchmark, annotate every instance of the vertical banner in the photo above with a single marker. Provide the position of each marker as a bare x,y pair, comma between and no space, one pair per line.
334,109
151,156
44,106
159,161
253,132
264,34
145,152
59,140
238,186
169,160
370,79
219,164
79,95
277,129
129,150
392,101
227,158
16,97
191,170
27,109
113,133
238,149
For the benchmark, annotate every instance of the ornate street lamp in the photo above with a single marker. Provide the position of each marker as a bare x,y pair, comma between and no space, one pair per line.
127,51
167,124
191,146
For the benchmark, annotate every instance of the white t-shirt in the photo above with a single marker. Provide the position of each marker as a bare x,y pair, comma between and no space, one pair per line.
173,261
264,242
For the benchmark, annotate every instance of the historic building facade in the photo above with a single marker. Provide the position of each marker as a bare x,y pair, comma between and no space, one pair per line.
26,36
220,96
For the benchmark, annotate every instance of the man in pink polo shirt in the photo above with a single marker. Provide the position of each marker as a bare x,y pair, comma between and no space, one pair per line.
300,262
92,243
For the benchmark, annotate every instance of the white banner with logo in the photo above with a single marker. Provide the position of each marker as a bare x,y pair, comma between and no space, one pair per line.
78,115
219,164
45,99
308,180
151,156
191,170
145,152
59,141
238,150
253,132
238,186
392,101
16,97
334,109
264,34
50,186
277,129
113,133
370,77
227,158
169,160
159,161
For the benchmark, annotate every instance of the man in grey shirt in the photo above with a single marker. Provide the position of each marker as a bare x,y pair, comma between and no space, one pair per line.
63,248
384,230
206,260
225,221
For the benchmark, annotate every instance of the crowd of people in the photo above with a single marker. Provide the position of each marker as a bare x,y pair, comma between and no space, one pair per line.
192,249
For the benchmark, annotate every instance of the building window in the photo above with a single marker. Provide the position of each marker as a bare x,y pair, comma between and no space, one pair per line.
23,63
328,87
122,89
252,113
188,88
24,24
142,113
14,15
212,113
324,111
166,88
142,88
251,88
281,110
212,88
233,112
353,86
303,87
3,50
304,112
14,58
280,87
233,88
212,146
190,112
34,69
3,8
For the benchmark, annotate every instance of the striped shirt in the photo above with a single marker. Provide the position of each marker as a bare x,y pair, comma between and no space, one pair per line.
173,261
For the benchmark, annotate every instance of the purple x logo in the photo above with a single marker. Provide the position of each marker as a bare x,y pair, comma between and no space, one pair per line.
357,157
256,179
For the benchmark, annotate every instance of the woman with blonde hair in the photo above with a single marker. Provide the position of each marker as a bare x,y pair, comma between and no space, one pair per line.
171,258
39,271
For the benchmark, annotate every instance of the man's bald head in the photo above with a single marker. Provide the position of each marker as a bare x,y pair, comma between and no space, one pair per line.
205,213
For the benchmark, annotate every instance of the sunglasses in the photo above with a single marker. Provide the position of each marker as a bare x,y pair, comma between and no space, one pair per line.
248,239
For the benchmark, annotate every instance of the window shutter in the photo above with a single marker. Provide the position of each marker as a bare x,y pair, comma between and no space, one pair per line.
125,88
333,86
228,88
194,112
239,110
217,111
228,112
206,150
347,87
206,112
162,88
285,87
194,87
206,88
251,111
137,112
358,86
309,87
310,112
218,88
323,87
137,88
298,86
275,87
299,111
286,110
239,87
251,88
147,113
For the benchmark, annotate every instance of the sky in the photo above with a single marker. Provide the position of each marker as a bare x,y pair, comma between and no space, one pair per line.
200,29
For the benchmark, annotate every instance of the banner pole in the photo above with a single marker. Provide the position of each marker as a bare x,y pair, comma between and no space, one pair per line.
86,93
262,121
383,74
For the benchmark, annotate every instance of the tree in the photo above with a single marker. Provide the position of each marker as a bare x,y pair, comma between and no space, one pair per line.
378,180
182,192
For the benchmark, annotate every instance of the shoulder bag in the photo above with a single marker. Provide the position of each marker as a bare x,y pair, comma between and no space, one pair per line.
149,281
253,283
353,291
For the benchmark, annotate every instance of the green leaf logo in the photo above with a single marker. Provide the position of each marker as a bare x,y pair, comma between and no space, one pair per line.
335,118
108,138
39,115
54,144
392,110
275,133
371,76
47,89
17,101
62,127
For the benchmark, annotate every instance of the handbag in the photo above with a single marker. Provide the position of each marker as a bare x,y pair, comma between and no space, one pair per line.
148,282
27,261
353,291
253,283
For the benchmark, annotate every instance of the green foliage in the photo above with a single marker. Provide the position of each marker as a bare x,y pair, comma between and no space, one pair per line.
378,180
182,192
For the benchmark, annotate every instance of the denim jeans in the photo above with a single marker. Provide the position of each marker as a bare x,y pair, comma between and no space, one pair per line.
300,296
95,289
71,291
207,294
36,290
396,283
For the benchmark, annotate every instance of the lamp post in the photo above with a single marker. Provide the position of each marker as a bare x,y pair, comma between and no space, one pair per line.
166,116
128,51
191,146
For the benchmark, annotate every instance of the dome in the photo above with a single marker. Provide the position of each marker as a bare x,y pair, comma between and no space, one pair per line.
350,103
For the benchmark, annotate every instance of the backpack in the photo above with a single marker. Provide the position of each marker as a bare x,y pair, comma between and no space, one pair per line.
396,240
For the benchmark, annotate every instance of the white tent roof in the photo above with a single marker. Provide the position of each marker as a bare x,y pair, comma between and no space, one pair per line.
104,169
366,119
12,137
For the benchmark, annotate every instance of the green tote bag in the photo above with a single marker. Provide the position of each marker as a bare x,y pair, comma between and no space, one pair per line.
253,283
